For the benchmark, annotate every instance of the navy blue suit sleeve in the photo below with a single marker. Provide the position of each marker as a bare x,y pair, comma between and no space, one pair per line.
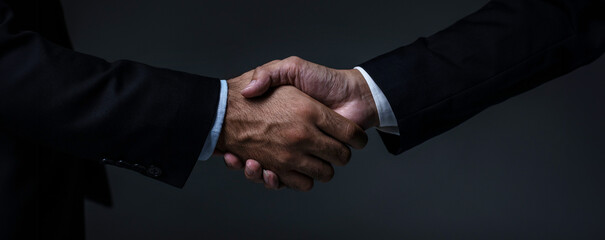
504,49
136,116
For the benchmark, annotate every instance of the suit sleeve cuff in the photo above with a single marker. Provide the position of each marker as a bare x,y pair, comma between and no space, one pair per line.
388,121
215,132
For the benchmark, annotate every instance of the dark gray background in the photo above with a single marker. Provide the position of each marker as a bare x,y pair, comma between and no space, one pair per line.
528,168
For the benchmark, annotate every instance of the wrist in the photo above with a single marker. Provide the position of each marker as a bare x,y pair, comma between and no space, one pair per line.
234,102
365,97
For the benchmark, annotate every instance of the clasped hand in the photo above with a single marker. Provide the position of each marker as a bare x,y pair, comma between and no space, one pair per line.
296,133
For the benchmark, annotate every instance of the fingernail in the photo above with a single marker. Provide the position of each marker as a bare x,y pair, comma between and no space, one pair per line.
265,176
250,84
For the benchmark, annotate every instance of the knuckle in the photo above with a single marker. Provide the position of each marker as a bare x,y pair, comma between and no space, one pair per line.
297,136
285,160
294,59
305,110
304,164
281,161
293,62
259,71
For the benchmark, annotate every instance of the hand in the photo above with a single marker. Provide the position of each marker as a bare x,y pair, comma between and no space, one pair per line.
287,132
344,91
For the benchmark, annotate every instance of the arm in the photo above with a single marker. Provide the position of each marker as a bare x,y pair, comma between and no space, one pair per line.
436,83
506,48
154,120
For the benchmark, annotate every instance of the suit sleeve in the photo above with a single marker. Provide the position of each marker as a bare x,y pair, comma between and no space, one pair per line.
506,48
147,119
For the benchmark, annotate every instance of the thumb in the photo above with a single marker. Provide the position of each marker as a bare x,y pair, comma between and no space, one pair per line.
260,84
261,80
273,74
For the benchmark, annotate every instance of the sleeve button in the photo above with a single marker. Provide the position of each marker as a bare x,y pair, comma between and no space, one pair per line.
154,171
107,161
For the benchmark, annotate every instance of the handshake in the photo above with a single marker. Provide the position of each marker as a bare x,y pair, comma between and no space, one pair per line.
297,132
287,122
294,134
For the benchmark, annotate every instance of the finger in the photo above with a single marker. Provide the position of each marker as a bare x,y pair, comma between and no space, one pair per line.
275,73
271,180
341,129
262,79
330,150
233,161
296,181
315,168
253,171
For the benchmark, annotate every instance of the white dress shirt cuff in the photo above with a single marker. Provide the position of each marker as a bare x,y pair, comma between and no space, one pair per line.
214,133
388,121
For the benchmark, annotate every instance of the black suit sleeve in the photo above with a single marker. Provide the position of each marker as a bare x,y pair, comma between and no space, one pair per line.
154,120
506,48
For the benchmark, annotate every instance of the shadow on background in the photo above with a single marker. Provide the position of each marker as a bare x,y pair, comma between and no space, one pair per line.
528,168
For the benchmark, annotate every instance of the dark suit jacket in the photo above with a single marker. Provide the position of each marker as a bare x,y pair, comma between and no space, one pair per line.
505,48
63,114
